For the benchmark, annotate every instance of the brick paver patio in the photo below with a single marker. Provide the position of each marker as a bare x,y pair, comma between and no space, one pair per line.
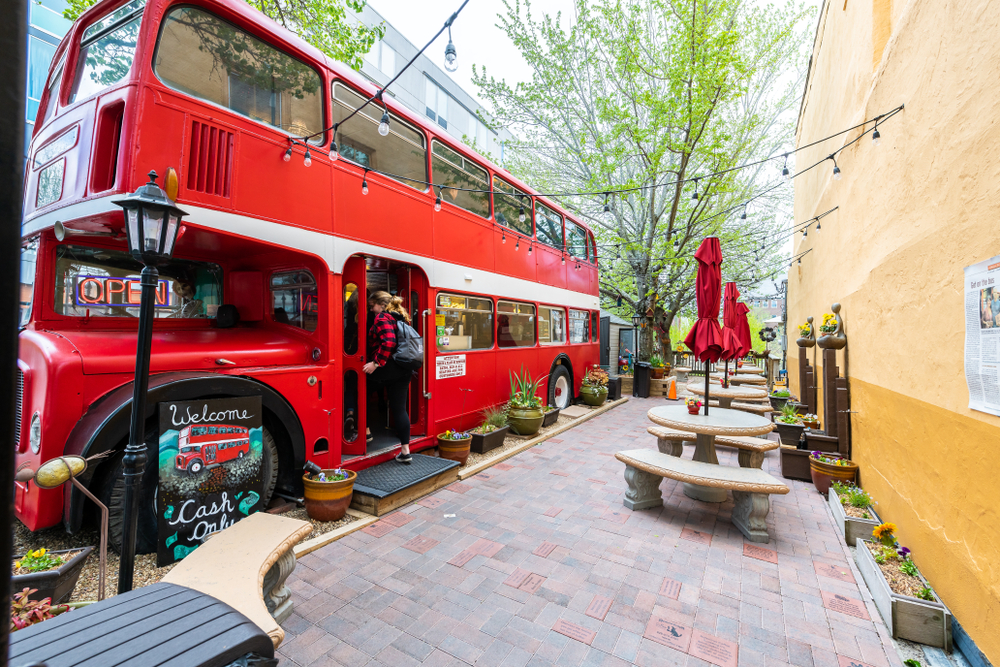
537,562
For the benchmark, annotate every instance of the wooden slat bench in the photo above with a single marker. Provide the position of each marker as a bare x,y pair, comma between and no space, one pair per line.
246,566
751,450
645,469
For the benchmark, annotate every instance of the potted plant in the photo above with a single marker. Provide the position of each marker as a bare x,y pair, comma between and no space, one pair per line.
806,338
455,445
905,600
52,574
24,611
779,397
551,415
789,425
693,405
829,326
810,420
328,493
656,362
595,387
853,510
491,433
827,468
524,413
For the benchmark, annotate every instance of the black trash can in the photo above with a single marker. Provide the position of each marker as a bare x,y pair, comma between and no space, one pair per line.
640,379
614,388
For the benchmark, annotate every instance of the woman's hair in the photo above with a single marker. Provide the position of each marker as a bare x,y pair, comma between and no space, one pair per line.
390,303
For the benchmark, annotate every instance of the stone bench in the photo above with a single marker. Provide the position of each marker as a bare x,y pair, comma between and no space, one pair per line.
761,409
246,566
751,450
751,487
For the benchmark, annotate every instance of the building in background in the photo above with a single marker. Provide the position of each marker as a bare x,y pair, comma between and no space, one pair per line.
769,306
428,90
46,27
914,211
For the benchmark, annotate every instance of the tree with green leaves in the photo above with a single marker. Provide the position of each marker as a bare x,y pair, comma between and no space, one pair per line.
322,23
667,96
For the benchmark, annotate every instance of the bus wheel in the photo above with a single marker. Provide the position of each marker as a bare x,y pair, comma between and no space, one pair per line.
111,491
239,454
195,467
560,388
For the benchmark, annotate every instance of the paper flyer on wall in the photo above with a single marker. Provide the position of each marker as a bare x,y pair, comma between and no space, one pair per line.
982,335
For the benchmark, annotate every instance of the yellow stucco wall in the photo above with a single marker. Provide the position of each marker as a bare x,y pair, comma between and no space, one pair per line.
912,214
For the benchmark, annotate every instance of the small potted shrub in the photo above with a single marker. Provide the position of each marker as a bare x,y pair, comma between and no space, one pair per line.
328,493
789,425
551,415
779,397
853,510
595,387
657,370
455,445
829,326
490,434
693,405
25,612
826,468
908,605
52,574
524,412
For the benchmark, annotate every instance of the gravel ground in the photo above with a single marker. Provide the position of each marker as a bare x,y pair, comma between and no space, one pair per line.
319,527
904,584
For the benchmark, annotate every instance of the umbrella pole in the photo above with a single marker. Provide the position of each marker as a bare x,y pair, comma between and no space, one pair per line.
706,387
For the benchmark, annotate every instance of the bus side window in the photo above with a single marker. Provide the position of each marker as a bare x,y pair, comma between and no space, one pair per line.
295,299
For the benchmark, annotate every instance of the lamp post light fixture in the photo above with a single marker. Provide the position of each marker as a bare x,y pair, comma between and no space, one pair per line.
636,321
152,221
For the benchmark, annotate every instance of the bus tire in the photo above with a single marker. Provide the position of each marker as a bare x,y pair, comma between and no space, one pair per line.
195,467
112,492
560,387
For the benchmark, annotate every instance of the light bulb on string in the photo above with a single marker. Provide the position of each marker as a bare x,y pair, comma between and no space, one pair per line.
437,202
677,243
818,225
695,195
383,127
744,215
564,260
307,160
784,170
876,137
607,208
530,247
836,168
521,217
287,157
517,246
503,236
333,150
805,232
364,186
450,54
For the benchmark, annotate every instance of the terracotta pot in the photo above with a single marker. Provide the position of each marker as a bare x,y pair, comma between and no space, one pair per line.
550,418
328,501
484,442
824,474
594,396
693,409
525,421
657,373
455,450
57,583
814,425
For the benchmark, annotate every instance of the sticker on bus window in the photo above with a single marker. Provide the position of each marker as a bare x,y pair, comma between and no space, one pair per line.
210,468
439,320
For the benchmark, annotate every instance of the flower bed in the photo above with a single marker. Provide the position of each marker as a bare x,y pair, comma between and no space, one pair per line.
855,522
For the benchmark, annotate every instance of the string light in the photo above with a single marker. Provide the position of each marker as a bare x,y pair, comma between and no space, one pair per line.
530,247
307,160
564,259
288,155
517,245
677,243
695,195
364,183
876,137
805,232
607,208
437,202
503,236
520,215
819,225
450,54
784,170
836,168
383,127
334,154
744,216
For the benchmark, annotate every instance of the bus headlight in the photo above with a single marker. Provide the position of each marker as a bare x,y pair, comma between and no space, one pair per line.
35,433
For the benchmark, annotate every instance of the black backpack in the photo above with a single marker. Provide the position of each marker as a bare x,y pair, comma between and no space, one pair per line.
409,352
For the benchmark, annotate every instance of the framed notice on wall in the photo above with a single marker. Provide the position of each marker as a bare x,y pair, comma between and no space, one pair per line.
211,471
982,335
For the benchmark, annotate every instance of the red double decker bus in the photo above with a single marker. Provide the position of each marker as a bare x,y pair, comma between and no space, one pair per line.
210,93
199,447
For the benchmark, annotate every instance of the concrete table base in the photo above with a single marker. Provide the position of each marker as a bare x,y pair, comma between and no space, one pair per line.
704,450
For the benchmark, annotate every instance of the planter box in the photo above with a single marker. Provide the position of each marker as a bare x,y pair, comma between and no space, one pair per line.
778,402
851,528
484,442
57,584
795,464
626,385
550,418
908,618
789,434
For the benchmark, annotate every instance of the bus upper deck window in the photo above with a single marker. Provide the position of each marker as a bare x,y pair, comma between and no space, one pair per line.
203,56
107,50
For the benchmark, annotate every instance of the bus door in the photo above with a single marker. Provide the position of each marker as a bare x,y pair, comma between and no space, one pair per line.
355,306
412,287
209,451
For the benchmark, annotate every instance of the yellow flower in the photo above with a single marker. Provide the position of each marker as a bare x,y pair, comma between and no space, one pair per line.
883,529
40,552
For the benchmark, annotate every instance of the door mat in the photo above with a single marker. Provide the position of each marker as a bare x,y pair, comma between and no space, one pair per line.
391,477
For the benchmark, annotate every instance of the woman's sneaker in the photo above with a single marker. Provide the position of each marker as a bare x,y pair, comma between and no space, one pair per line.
404,458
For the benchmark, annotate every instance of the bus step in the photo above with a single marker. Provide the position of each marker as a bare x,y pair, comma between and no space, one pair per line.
383,488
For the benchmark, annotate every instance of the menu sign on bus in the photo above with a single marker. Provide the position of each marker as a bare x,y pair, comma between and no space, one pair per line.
211,471
120,292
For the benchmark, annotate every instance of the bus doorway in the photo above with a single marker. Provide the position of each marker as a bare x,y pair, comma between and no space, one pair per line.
368,429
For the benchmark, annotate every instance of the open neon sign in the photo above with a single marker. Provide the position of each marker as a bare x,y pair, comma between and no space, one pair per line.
118,292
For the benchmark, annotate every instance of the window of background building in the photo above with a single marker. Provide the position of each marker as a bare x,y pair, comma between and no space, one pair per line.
774,304
579,326
508,202
203,56
402,153
451,168
551,325
39,58
576,240
295,299
515,324
436,102
468,323
549,227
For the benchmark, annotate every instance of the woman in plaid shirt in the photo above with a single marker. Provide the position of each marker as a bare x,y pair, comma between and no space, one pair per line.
383,371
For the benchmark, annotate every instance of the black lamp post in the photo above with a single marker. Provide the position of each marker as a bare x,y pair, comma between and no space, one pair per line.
151,224
636,321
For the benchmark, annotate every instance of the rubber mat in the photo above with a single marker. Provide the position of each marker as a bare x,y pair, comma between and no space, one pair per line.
391,477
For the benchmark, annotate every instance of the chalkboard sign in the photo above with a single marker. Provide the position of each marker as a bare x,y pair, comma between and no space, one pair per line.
210,470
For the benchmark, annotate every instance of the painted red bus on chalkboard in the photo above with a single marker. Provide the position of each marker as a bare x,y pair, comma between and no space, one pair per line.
199,447
494,281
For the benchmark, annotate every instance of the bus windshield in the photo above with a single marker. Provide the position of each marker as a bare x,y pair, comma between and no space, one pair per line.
107,51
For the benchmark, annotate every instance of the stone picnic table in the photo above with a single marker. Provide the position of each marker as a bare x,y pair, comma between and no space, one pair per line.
726,395
756,370
719,421
743,379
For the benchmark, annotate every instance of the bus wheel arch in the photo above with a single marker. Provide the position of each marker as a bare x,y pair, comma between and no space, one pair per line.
560,385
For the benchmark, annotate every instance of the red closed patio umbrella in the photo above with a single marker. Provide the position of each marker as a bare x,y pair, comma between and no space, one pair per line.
731,345
743,329
705,337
